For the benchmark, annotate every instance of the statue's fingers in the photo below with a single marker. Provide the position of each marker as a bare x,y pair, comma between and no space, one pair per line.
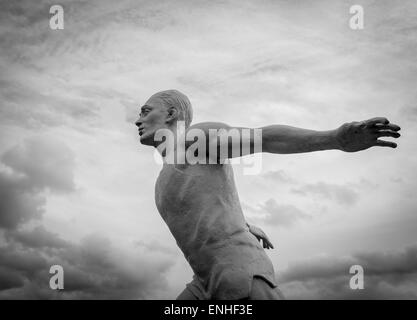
389,126
268,242
387,133
377,120
383,143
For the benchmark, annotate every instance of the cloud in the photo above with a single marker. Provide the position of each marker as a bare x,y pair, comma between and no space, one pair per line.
341,193
18,203
279,176
93,269
34,106
409,111
24,264
156,246
132,110
387,275
9,279
28,170
272,213
38,237
262,69
45,163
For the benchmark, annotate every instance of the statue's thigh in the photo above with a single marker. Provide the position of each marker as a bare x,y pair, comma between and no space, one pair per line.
186,294
262,290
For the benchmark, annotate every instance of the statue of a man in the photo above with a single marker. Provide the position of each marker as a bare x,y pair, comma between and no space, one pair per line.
200,204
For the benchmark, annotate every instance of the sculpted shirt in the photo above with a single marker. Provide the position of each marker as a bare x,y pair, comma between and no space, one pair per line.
201,207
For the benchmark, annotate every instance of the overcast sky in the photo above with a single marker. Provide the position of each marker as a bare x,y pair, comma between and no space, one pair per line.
77,188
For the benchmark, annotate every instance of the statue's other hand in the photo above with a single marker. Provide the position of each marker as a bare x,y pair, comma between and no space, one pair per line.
261,236
357,136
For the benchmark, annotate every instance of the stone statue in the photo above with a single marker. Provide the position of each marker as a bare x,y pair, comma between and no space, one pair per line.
199,201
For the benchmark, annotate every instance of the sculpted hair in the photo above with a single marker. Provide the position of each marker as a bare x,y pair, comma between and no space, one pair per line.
179,101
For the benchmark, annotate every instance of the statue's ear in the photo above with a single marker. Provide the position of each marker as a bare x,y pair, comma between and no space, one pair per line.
172,114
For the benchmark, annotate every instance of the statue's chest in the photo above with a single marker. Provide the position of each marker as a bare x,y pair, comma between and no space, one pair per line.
174,191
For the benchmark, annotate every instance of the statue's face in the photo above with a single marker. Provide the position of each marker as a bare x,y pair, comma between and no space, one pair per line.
153,117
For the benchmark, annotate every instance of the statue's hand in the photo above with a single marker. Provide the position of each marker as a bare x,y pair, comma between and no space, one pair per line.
261,236
357,136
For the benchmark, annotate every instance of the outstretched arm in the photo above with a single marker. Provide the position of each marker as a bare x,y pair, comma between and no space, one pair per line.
350,137
285,139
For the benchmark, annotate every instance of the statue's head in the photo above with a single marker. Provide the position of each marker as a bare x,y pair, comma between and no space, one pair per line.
162,111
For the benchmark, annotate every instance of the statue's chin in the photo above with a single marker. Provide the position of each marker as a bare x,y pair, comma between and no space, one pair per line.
146,140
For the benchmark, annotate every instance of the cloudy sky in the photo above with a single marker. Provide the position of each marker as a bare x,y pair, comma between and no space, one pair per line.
76,186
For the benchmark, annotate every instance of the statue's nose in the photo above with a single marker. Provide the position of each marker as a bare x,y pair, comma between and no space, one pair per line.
138,122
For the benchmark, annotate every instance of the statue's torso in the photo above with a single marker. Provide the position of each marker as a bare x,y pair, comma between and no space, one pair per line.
201,207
